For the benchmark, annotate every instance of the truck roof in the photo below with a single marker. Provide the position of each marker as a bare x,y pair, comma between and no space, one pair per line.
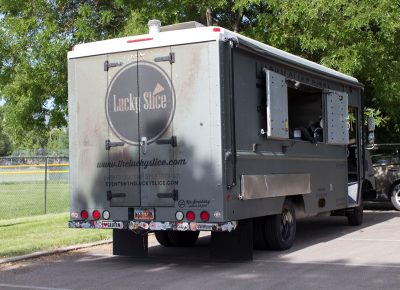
201,34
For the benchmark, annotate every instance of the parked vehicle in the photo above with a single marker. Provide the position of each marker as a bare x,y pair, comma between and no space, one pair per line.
386,165
202,129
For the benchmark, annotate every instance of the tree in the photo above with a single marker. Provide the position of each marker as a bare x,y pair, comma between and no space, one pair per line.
5,143
34,39
360,38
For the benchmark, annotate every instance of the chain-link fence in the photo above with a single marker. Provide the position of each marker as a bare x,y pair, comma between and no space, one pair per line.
33,185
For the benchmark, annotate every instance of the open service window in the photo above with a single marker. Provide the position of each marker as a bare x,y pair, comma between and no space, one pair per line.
306,113
302,112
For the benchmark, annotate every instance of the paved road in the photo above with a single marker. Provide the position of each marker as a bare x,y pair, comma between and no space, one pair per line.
328,254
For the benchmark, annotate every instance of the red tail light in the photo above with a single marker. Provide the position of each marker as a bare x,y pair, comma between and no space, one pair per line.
190,216
84,214
96,214
205,216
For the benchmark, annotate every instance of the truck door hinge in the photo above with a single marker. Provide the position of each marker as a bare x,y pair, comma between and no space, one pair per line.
173,195
110,144
173,141
108,64
170,58
111,195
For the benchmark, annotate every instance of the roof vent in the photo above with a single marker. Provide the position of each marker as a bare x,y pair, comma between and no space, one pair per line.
154,26
180,26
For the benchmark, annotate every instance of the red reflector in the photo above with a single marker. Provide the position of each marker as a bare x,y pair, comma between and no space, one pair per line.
96,214
205,216
190,216
139,39
217,29
84,214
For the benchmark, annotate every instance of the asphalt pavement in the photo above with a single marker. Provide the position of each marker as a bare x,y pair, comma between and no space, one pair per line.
327,254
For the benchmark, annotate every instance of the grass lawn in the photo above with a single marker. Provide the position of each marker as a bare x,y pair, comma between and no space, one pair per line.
27,199
27,235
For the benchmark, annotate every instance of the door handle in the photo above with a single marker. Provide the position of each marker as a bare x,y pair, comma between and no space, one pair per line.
111,195
143,145
173,194
173,141
110,144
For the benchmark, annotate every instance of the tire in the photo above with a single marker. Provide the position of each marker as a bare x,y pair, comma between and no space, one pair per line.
355,215
259,242
280,229
162,238
182,239
395,196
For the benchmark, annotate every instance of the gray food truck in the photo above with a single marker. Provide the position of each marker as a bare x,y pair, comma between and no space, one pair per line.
192,128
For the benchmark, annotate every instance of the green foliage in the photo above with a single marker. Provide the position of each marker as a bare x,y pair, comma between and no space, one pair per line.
360,38
5,142
21,236
58,139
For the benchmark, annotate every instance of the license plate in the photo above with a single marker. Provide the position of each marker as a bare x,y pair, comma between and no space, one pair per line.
144,214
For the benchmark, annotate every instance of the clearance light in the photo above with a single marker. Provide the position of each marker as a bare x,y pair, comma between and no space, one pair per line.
179,215
139,39
96,214
84,214
217,29
205,216
106,214
190,216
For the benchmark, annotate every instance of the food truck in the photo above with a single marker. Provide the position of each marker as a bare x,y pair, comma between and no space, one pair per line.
191,128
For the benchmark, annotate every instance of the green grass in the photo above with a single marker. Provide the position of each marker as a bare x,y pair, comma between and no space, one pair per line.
27,235
27,199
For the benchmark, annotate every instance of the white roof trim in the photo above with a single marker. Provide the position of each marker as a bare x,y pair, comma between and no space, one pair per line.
194,35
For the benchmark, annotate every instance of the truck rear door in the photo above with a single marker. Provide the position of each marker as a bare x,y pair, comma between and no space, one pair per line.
140,104
157,141
122,111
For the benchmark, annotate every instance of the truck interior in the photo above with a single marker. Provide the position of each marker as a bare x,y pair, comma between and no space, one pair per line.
305,112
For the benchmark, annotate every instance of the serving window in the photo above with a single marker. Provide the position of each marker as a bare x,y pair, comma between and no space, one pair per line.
302,112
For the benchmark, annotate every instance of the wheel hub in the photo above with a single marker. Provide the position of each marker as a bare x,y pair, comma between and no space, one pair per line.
286,224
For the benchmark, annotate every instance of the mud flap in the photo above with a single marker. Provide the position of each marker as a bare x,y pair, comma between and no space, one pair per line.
128,243
236,245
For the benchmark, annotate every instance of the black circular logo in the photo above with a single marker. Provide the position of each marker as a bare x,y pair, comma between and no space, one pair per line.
181,203
140,102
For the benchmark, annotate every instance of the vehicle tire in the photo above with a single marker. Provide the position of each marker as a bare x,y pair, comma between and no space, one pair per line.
182,239
395,196
280,229
355,215
259,242
162,238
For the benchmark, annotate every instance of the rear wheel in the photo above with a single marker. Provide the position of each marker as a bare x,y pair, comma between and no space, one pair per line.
395,196
280,229
182,239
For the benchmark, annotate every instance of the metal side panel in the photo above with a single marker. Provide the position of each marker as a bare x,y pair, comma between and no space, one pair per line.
273,185
277,106
197,126
88,125
337,117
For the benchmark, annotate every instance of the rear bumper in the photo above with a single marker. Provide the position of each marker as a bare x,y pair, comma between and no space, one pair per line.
154,226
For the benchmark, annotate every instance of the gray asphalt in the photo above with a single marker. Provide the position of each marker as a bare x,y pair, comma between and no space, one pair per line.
327,254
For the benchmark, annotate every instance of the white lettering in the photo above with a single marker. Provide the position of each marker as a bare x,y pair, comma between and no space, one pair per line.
126,104
131,103
146,96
